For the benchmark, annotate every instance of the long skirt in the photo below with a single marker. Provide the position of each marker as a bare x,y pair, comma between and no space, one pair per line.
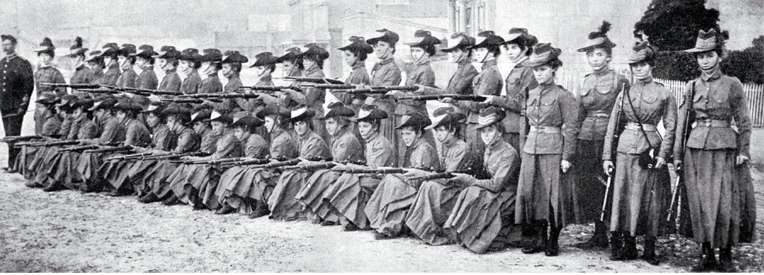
590,182
432,206
747,205
476,146
241,185
400,146
88,164
712,192
283,203
60,168
482,221
24,161
543,191
141,173
348,197
312,193
157,178
641,197
196,181
115,173
389,204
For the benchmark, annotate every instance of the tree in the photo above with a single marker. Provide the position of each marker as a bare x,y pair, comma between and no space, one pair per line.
672,25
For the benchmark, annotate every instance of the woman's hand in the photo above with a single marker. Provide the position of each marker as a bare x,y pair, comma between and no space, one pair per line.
740,160
565,166
488,99
659,162
608,167
410,173
460,178
392,93
446,100
677,164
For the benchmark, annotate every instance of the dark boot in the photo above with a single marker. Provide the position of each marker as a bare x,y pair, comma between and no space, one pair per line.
226,209
172,200
649,254
32,184
149,198
629,247
616,246
539,243
528,235
708,259
553,248
599,239
725,260
52,187
197,202
260,210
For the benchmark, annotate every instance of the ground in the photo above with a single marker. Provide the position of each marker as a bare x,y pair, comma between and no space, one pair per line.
68,231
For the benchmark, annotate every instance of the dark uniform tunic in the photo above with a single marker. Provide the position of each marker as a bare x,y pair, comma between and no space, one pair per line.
543,193
18,83
187,141
313,98
116,172
192,82
232,86
111,75
638,193
481,219
709,160
25,162
46,74
595,103
127,78
97,75
170,82
140,173
61,167
487,82
208,141
82,75
421,75
519,81
386,73
460,84
113,131
358,76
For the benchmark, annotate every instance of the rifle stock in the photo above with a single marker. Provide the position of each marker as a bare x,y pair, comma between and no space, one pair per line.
13,139
378,89
316,166
79,148
73,86
315,80
474,98
47,144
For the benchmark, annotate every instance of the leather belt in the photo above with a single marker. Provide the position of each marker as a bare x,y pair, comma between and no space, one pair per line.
546,129
598,113
635,126
712,123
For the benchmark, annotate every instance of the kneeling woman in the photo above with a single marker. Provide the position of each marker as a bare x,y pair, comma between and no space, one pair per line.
247,189
282,202
389,205
49,124
544,195
345,148
198,182
482,217
348,196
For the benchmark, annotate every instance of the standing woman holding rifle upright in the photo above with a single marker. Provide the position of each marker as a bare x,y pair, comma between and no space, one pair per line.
385,73
713,151
640,184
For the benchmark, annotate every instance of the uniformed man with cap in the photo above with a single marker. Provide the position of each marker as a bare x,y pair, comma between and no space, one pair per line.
167,60
188,64
110,61
126,61
18,83
82,74
46,73
385,73
232,61
355,56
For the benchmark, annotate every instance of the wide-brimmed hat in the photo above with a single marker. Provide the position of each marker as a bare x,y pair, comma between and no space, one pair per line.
301,113
86,103
414,120
263,59
211,55
126,104
445,116
422,38
486,39
156,107
599,38
707,41
220,115
370,112
489,116
337,109
234,57
459,40
176,109
168,52
190,54
640,52
94,56
126,50
290,54
358,44
76,48
105,103
521,36
65,99
200,114
145,51
314,51
110,49
246,120
383,35
542,53
273,110
46,46
47,99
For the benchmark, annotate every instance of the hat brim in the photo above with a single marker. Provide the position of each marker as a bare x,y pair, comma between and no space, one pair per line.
511,38
699,50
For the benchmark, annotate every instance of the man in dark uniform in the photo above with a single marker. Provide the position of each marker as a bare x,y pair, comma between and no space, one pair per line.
17,81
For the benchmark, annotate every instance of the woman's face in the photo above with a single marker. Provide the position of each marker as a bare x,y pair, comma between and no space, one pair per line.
75,60
409,136
456,55
598,58
121,60
270,123
161,63
301,127
121,115
307,62
443,134
350,57
171,120
45,59
140,61
227,69
239,133
107,60
513,51
641,70
152,120
287,66
381,49
94,65
366,129
218,127
184,65
481,54
76,112
707,60
417,53
260,70
199,127
100,113
544,74
331,125
488,134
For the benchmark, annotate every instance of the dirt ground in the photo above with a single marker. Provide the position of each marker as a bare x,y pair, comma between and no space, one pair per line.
68,231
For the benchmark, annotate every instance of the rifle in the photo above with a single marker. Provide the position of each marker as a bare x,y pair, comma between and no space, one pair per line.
79,148
607,190
315,166
329,86
110,149
190,100
269,88
277,164
73,86
382,170
433,176
129,156
379,89
46,143
100,91
147,92
217,161
315,80
168,156
474,98
222,95
14,139
688,120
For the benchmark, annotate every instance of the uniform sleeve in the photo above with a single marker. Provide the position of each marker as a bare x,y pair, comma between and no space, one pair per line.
422,158
132,135
111,78
27,85
50,127
184,141
278,149
257,149
88,131
488,84
516,103
59,78
66,125
569,108
391,77
742,119
501,176
456,159
681,118
163,139
110,133
380,155
225,147
316,147
130,80
669,123
612,126
174,84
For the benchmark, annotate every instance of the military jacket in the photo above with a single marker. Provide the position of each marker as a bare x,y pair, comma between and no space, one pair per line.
550,105
192,82
188,140
500,160
97,75
228,146
77,123
422,156
170,82
18,83
162,138
147,79
49,74
208,141
112,131
211,85
346,147
312,97
256,147
88,130
283,145
358,75
111,75
313,146
422,75
127,78
519,81
385,73
136,133
51,124
596,100
487,82
253,104
378,152
455,155
81,75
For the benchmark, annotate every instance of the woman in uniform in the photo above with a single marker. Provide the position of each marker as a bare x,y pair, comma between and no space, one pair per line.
112,131
136,134
188,64
385,73
46,73
481,219
265,65
348,196
313,61
109,56
355,56
167,60
282,203
713,152
51,123
460,53
389,204
597,97
127,77
543,191
639,190
147,79
230,69
210,66
95,63
163,139
81,74
345,148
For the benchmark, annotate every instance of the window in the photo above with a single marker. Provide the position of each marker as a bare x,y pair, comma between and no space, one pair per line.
468,19
457,19
481,16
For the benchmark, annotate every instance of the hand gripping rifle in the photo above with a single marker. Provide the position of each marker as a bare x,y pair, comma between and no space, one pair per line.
14,139
378,89
474,98
689,118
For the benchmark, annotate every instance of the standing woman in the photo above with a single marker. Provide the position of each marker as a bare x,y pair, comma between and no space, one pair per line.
167,60
713,152
210,66
109,56
188,64
313,62
543,191
147,79
231,68
638,191
81,74
596,102
95,63
127,77
355,56
46,73
265,65
385,73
